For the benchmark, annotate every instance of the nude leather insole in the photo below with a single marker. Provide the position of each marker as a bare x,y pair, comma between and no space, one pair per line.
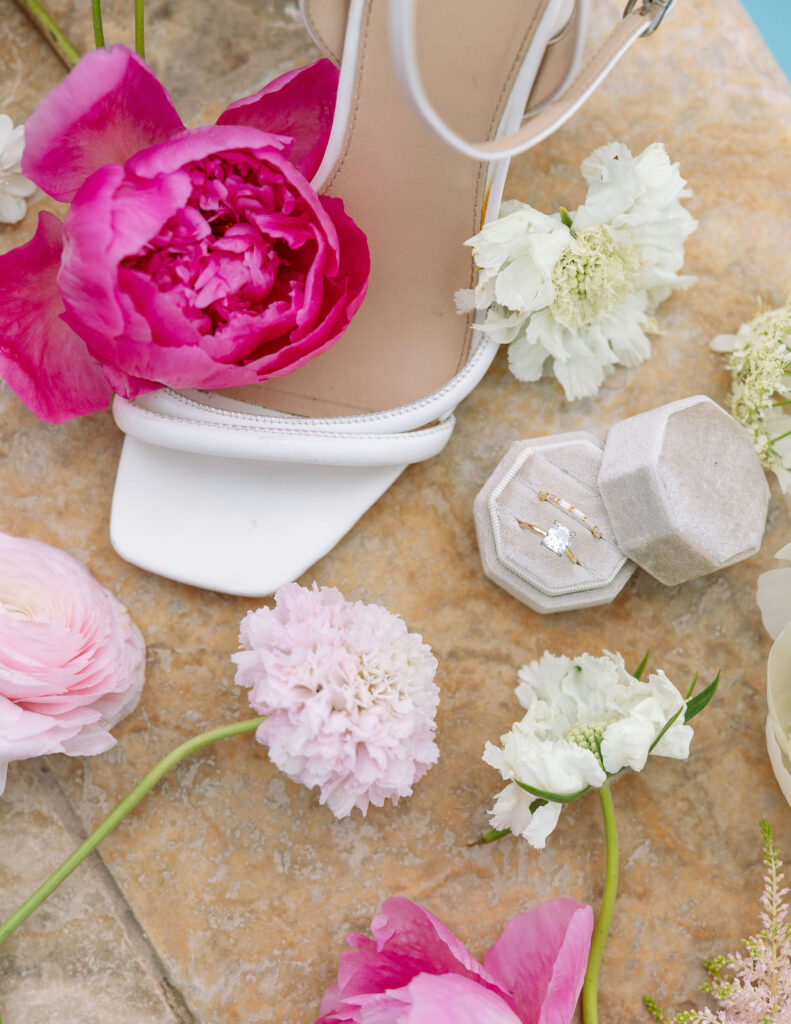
417,201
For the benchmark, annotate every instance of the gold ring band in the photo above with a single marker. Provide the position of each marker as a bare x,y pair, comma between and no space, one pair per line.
571,509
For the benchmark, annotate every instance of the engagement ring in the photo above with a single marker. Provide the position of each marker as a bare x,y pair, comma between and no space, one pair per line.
556,538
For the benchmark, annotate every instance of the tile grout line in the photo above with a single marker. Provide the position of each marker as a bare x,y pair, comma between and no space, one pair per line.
133,930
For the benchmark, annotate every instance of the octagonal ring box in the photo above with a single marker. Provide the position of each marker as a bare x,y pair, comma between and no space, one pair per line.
677,491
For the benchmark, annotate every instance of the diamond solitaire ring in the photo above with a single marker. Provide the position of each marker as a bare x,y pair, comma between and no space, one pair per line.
572,511
556,538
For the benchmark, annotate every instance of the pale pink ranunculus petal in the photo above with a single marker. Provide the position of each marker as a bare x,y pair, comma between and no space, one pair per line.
72,662
299,104
541,957
41,359
107,108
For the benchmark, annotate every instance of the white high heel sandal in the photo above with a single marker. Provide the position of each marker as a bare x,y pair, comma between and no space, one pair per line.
242,490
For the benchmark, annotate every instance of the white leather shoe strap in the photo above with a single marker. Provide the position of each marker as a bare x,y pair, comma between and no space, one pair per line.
543,124
285,441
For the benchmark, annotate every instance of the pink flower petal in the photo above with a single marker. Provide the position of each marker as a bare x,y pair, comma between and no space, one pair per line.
41,359
105,110
541,957
409,940
301,104
449,997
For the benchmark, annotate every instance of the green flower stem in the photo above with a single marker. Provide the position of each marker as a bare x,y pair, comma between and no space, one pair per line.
51,32
140,42
120,812
98,27
590,989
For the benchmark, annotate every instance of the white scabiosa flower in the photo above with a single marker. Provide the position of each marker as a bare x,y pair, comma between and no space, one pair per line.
587,719
574,294
15,189
759,359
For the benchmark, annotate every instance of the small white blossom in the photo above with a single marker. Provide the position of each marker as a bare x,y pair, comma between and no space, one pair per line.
575,294
15,188
759,359
587,719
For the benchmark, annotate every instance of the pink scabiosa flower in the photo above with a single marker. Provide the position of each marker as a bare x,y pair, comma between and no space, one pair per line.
188,258
415,971
348,691
72,662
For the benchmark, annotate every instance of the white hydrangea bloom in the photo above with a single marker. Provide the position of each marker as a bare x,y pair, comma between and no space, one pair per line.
15,188
575,294
587,719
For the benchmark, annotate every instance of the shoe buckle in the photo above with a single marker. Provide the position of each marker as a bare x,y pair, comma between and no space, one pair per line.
655,10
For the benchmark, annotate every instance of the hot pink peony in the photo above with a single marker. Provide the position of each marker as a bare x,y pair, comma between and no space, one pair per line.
415,971
188,258
349,692
71,660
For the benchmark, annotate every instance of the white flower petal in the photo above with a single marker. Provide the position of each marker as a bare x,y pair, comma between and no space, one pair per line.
526,359
12,210
581,377
774,599
512,810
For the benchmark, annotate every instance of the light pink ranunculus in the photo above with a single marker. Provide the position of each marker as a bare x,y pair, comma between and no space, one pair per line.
72,662
415,971
188,258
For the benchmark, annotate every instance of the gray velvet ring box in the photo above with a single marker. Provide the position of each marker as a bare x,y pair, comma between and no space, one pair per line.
678,491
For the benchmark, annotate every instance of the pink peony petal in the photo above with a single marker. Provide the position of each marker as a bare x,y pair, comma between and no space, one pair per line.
197,143
541,957
448,997
41,359
300,104
107,108
409,940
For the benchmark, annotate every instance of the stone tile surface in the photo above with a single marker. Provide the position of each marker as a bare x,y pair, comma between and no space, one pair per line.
74,961
241,883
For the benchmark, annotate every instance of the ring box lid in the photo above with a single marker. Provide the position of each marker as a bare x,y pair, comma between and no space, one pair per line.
684,490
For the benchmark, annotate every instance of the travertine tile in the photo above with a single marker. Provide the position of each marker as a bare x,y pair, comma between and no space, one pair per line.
244,886
72,963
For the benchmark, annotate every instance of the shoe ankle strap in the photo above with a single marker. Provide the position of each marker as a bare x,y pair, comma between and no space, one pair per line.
637,21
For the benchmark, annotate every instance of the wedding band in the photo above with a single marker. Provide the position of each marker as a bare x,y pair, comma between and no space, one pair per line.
555,539
571,509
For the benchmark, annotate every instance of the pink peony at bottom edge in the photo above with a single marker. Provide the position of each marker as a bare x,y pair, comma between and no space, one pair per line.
72,662
349,693
415,970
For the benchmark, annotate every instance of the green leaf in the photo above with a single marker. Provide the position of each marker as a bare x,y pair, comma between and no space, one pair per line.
692,686
552,798
700,700
565,216
491,837
641,667
538,802
665,727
